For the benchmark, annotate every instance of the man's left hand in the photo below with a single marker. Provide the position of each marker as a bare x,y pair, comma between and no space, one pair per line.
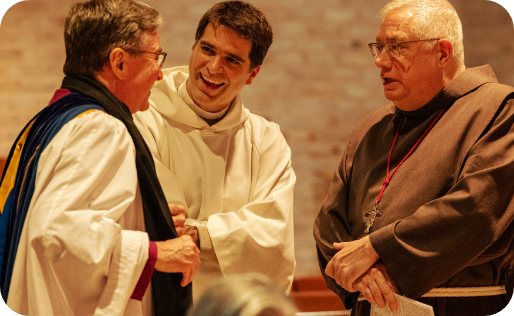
378,287
352,261
178,213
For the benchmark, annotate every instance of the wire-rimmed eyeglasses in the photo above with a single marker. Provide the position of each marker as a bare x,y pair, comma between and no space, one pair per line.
161,57
393,49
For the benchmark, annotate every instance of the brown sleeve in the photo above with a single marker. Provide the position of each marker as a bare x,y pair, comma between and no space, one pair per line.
331,225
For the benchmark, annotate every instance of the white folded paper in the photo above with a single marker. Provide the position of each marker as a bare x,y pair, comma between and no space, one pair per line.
407,307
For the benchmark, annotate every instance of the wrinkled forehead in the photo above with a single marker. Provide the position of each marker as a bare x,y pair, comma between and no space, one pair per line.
396,27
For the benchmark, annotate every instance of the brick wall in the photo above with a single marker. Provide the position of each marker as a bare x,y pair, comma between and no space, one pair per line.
317,81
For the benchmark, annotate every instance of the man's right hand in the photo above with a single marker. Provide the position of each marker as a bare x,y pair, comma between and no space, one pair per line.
178,255
178,214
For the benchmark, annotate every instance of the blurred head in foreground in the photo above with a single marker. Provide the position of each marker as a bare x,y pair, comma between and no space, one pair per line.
244,295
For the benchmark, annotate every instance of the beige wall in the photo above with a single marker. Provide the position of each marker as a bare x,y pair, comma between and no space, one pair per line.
317,81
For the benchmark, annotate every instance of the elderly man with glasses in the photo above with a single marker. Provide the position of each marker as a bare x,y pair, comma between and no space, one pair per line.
84,220
422,202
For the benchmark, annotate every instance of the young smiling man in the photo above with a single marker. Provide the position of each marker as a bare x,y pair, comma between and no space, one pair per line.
229,168
422,201
219,68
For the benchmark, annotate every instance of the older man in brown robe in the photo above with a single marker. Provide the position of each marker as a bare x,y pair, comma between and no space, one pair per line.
422,202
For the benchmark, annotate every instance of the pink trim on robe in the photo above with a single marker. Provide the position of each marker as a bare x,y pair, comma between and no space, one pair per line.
59,93
146,276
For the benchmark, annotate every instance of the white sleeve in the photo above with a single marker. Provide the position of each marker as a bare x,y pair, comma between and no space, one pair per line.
259,237
74,253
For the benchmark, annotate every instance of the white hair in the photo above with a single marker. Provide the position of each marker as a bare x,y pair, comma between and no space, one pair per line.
433,19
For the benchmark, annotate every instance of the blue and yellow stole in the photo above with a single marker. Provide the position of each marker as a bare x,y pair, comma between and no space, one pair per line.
19,176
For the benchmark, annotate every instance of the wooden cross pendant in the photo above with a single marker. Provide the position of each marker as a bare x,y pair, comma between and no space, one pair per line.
372,214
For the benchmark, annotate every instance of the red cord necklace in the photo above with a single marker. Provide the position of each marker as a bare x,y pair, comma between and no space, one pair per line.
373,213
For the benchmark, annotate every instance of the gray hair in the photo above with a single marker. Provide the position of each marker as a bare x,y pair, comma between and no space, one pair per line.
243,295
433,19
94,28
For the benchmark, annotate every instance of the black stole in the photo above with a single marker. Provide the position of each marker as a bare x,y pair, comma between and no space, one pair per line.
169,298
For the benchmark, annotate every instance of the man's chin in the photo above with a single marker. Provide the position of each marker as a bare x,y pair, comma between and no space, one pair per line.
209,102
140,108
203,100
392,95
207,94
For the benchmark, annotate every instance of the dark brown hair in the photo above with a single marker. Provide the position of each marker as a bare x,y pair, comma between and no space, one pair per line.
245,20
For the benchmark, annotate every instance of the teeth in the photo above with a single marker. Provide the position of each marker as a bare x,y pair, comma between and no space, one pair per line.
212,80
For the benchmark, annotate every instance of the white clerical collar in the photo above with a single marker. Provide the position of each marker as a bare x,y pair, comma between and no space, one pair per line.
182,90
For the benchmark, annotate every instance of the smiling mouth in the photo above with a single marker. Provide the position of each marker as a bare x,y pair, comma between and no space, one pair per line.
211,83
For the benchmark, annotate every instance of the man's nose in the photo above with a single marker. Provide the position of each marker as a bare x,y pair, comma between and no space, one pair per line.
383,59
215,65
160,75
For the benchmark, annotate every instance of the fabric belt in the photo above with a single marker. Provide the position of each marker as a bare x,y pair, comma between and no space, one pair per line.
462,291
466,291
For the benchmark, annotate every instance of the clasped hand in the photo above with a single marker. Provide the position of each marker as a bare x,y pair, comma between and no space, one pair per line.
180,254
178,214
354,267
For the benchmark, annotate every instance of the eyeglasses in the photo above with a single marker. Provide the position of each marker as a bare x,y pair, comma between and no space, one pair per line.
161,57
393,49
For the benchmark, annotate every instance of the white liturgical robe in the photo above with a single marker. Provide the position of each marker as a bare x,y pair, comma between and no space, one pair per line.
234,178
82,248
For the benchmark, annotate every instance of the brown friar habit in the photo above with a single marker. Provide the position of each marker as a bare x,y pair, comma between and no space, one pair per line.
448,211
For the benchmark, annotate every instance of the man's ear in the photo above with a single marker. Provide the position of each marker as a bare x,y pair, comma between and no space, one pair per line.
446,51
118,63
254,73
